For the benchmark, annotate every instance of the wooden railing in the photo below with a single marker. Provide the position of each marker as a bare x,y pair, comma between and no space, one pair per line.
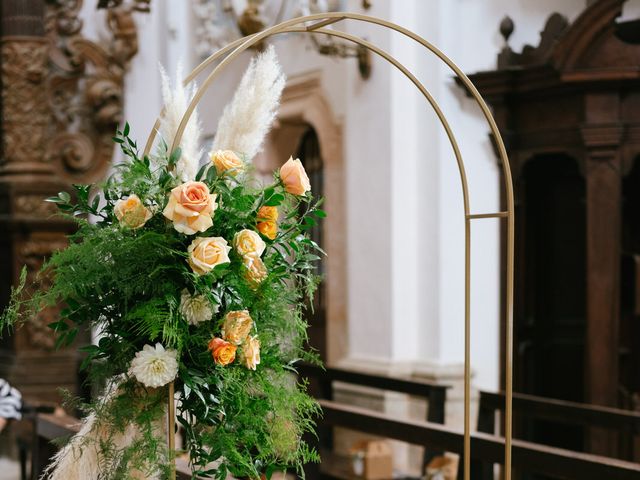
434,393
557,411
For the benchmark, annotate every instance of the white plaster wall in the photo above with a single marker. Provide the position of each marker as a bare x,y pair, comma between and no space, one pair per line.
467,31
404,213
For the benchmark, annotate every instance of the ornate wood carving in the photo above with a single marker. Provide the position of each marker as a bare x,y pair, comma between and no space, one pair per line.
85,88
577,94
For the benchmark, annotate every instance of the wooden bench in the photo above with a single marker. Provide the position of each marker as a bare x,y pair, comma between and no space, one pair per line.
488,448
434,393
557,411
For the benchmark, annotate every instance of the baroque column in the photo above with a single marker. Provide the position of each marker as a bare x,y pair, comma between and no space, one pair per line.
61,102
26,178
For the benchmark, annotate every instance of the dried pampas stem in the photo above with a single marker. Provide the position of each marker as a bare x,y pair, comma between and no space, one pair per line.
80,458
176,98
247,119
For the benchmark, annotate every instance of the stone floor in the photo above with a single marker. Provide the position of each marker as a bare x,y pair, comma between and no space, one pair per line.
9,470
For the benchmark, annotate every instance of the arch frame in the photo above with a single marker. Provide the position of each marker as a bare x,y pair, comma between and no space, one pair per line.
314,24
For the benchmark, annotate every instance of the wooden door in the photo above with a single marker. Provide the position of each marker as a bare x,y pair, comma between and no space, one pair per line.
550,315
310,156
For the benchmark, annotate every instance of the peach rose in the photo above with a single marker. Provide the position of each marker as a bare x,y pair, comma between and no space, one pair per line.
250,353
294,178
247,242
191,207
268,229
237,326
207,252
255,270
223,352
130,212
227,161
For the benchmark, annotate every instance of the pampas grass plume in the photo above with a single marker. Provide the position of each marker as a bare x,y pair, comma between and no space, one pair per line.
247,119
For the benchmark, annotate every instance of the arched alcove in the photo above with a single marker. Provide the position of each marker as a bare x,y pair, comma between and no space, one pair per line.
549,321
304,108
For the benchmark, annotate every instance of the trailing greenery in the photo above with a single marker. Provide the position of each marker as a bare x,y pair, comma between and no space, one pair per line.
127,284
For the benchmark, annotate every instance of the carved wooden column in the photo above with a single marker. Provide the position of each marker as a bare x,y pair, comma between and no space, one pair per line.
602,135
61,102
29,234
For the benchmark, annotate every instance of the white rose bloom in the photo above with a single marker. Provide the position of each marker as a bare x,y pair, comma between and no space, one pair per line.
154,367
196,308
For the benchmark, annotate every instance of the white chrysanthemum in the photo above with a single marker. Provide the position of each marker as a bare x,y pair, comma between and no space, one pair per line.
154,367
196,308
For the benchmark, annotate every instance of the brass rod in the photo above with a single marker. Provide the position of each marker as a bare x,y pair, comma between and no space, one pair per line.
241,45
318,25
488,215
467,349
171,426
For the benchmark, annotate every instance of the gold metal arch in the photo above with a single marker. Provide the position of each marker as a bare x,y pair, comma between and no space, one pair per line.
233,50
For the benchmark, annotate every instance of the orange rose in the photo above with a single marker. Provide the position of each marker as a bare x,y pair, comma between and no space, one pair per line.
268,229
237,326
191,207
130,212
294,178
227,161
267,221
223,352
266,214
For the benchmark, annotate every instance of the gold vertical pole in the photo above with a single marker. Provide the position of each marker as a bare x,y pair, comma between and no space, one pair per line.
508,420
171,426
467,348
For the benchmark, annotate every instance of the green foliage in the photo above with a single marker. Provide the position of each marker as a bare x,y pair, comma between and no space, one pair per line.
127,284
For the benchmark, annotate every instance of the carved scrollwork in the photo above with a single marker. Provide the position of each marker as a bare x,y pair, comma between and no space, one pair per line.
85,87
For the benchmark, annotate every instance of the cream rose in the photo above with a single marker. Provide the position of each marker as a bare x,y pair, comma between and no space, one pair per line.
191,207
227,161
207,252
250,353
237,326
130,212
255,270
294,178
247,242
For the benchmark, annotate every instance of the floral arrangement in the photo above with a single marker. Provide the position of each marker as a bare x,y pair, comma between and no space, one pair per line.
194,277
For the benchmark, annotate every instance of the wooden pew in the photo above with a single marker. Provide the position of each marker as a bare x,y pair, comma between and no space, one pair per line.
435,393
527,456
557,411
